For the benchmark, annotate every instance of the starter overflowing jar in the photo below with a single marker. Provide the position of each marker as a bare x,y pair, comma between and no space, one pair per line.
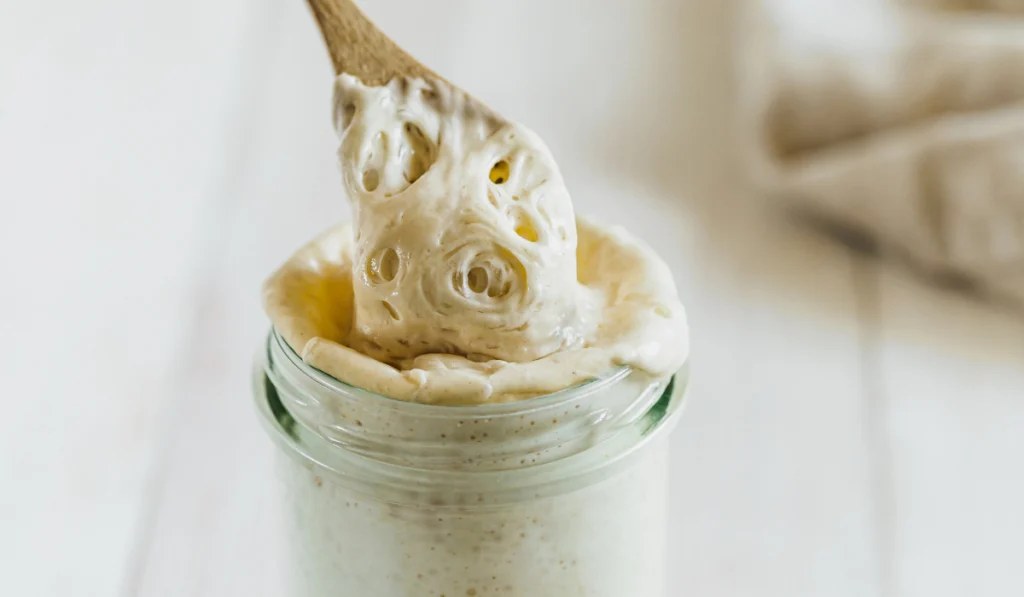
471,387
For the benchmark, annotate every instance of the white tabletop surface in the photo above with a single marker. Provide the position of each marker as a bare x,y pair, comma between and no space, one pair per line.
851,431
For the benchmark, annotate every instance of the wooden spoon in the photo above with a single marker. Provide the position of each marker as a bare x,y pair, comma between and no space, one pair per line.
359,48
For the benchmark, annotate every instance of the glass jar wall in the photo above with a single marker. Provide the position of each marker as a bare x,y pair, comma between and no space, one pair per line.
562,495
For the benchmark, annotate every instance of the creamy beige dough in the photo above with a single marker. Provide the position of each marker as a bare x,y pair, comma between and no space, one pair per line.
465,276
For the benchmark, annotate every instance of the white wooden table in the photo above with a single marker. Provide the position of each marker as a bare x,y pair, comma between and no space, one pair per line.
850,432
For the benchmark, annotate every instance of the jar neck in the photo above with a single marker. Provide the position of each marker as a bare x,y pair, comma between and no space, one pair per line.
337,420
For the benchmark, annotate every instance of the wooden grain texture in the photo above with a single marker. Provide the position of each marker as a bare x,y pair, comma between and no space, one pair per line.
357,47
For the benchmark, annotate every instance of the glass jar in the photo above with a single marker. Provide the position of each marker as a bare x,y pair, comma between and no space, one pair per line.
563,495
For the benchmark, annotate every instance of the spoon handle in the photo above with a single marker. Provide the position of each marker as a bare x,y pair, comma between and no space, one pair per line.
357,47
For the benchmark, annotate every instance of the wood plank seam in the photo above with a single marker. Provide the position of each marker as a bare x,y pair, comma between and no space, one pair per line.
876,432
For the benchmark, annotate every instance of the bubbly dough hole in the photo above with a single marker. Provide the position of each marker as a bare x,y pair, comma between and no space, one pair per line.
500,172
527,231
347,113
389,265
376,158
371,180
391,310
418,153
383,267
495,291
523,224
478,279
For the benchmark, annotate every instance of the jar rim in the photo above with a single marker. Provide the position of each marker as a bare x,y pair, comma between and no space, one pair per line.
488,409
599,453
400,482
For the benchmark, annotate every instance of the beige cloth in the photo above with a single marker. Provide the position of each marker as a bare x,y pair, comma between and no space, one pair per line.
900,118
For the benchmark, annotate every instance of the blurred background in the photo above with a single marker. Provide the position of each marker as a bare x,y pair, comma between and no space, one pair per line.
854,428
